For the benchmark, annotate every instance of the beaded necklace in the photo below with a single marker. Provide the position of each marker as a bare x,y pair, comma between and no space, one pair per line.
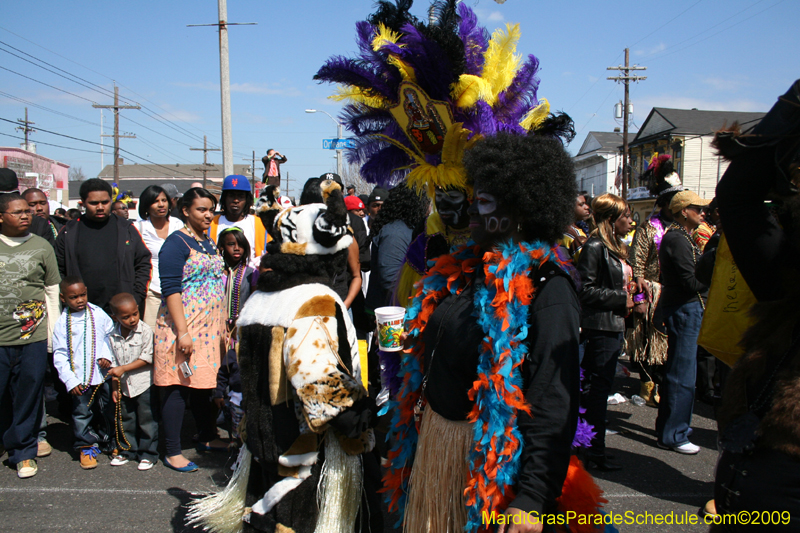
71,352
195,237
235,290
688,237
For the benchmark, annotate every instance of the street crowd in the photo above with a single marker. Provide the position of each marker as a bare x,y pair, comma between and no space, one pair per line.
261,314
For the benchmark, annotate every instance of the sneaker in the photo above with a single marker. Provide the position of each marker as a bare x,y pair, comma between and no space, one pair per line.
144,464
44,449
118,460
27,468
89,457
687,448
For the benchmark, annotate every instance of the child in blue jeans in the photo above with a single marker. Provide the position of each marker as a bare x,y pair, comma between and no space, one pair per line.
81,355
132,375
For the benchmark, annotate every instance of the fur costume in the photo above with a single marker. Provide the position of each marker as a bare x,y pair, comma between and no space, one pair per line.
308,417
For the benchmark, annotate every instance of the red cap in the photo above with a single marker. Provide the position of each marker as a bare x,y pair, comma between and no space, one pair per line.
353,202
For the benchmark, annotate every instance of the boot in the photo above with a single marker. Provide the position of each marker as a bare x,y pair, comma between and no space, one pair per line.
648,393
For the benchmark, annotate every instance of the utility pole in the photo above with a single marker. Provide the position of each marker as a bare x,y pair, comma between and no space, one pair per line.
116,107
205,149
225,83
25,127
626,78
102,146
252,171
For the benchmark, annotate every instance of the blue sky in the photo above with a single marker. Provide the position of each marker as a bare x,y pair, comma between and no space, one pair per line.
709,54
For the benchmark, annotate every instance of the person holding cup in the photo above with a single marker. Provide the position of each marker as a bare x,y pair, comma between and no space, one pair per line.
189,327
491,376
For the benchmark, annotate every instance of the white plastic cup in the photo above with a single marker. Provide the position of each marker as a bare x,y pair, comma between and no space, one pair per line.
390,327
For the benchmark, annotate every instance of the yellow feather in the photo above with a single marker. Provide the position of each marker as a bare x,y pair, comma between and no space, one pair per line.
500,60
406,70
534,118
357,95
469,89
383,37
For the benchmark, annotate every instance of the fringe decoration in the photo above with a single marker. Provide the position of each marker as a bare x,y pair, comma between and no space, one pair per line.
339,489
223,512
438,504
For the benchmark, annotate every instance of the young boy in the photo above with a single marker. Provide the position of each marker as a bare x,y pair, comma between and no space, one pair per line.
81,354
28,287
132,373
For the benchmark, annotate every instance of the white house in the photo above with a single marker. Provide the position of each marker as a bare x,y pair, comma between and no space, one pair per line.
597,162
686,135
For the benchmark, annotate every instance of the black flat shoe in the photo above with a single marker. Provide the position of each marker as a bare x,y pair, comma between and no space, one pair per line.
603,463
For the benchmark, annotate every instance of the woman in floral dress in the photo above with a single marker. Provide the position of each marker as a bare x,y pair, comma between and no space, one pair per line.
189,328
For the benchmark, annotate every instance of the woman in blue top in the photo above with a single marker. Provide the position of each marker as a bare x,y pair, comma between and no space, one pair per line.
189,328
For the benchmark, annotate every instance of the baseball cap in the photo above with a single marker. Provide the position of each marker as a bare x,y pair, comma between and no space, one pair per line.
333,177
378,194
353,202
684,199
171,190
236,182
8,180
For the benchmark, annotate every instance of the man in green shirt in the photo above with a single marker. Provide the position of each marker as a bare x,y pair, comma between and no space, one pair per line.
29,281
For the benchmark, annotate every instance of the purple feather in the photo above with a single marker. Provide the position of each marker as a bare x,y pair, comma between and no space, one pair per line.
481,120
340,69
475,38
377,60
383,168
520,96
390,368
361,119
584,434
431,66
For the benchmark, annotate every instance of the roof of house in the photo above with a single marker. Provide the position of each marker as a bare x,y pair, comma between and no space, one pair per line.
602,141
169,171
664,120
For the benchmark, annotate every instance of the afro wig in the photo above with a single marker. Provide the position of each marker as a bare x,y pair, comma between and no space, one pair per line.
532,175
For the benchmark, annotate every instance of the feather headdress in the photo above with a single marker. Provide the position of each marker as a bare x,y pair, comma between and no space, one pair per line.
418,95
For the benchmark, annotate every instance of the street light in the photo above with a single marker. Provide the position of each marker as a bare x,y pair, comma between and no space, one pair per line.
338,136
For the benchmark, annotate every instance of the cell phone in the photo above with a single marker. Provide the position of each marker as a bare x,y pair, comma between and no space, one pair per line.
187,372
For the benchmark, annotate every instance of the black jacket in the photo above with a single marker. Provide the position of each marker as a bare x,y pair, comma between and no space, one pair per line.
678,256
133,257
603,295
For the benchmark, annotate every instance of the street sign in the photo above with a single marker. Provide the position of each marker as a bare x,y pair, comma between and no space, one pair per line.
337,144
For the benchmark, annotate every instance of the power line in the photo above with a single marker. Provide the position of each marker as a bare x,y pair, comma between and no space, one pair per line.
50,144
661,26
90,86
32,104
47,84
99,144
712,27
97,88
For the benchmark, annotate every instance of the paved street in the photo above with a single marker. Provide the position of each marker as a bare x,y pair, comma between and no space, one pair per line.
64,498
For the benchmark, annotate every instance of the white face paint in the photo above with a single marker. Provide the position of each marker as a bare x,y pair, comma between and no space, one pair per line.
487,203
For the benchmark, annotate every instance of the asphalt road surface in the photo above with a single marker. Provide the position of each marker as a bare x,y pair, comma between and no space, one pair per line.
64,498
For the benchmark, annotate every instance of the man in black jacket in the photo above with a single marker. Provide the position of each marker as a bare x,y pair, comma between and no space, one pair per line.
105,250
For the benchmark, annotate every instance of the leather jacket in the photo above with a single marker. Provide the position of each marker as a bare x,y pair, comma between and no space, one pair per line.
603,295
